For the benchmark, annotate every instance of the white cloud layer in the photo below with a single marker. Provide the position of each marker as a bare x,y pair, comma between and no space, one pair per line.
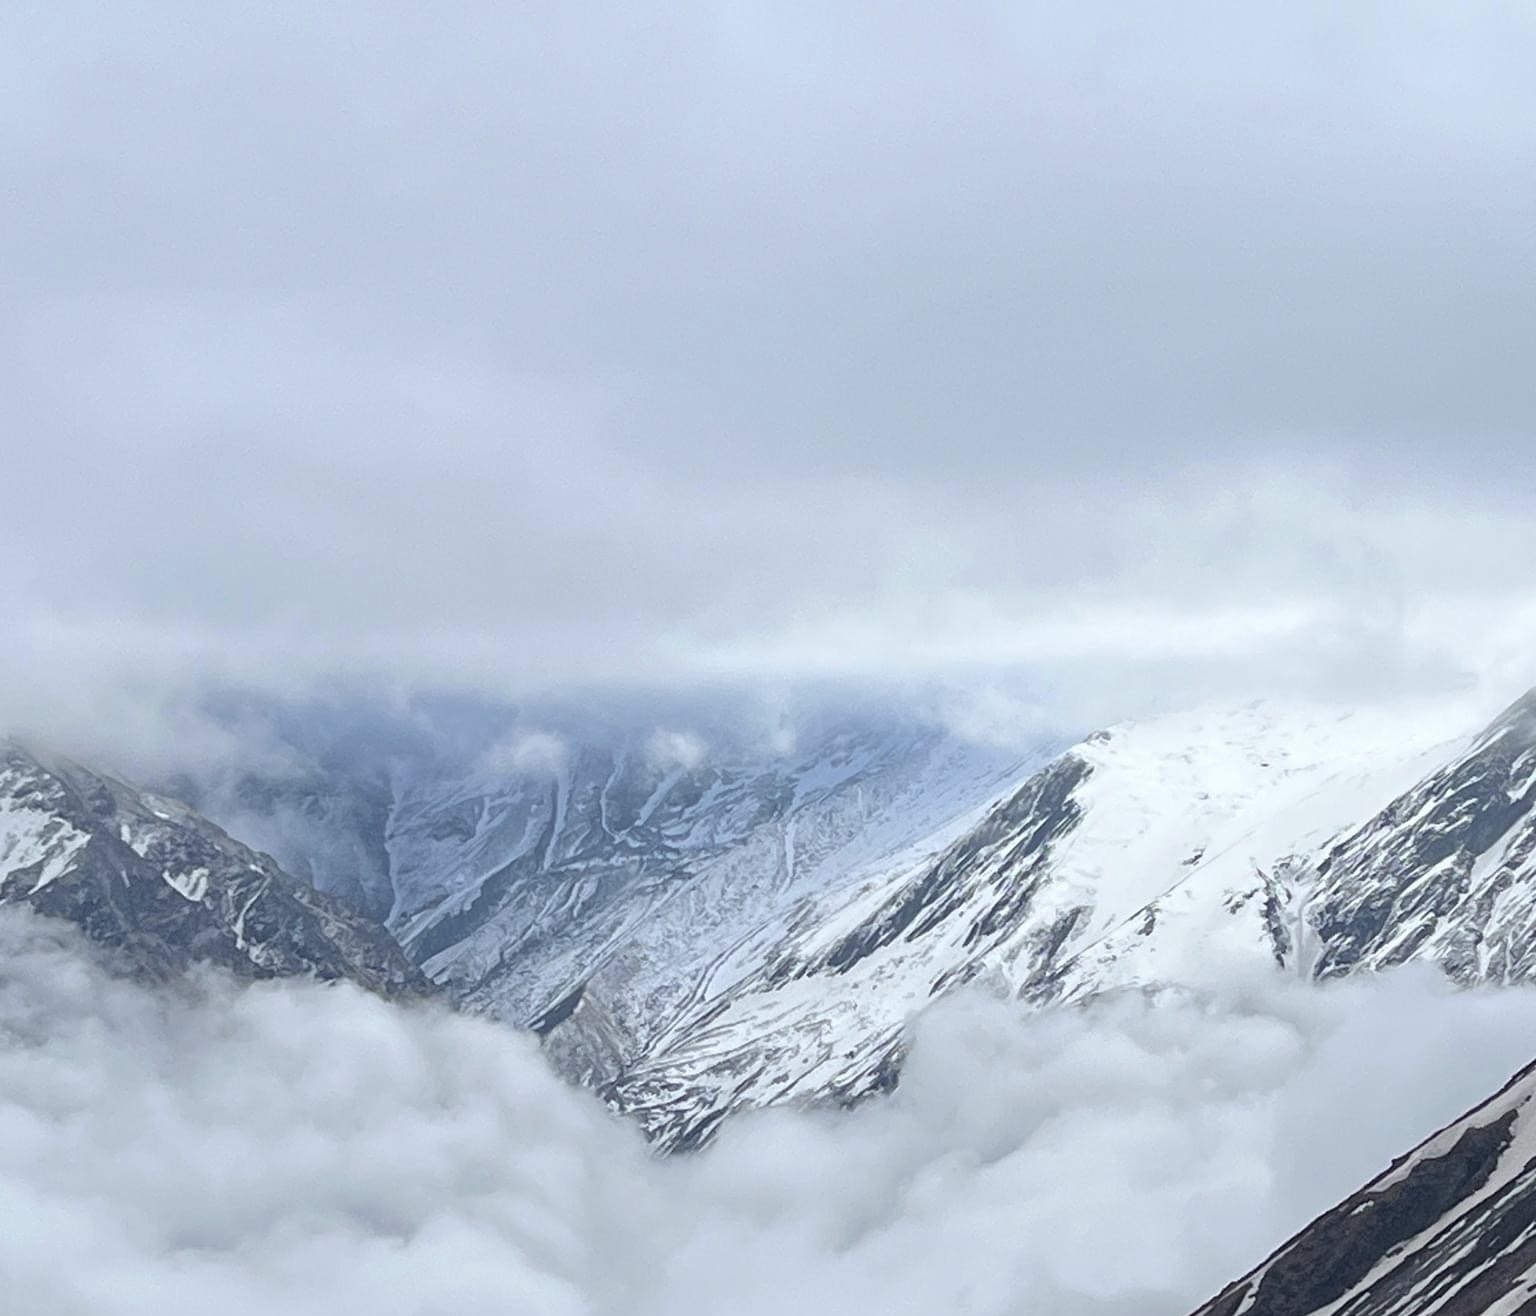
296,1149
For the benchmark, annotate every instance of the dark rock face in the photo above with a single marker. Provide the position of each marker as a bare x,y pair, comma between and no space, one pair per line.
1450,1229
166,888
1443,871
1016,837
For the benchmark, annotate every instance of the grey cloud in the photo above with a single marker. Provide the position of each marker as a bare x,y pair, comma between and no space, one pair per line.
528,346
877,232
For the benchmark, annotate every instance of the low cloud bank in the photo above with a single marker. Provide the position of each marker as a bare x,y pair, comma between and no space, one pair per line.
292,1148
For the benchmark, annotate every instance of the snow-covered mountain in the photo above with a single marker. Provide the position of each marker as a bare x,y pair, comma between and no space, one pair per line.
696,929
696,925
1406,854
1056,891
1448,1229
612,886
1182,850
166,888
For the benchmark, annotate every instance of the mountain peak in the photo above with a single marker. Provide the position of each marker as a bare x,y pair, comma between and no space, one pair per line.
166,888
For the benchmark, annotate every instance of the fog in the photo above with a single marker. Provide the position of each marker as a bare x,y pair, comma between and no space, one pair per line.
293,1148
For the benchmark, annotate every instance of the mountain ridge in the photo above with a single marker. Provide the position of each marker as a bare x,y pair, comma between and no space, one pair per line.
692,933
1448,1229
166,888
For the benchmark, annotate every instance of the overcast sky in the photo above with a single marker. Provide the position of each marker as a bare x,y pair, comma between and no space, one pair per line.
525,345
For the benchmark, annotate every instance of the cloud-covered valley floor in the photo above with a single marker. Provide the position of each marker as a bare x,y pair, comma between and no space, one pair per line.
304,1149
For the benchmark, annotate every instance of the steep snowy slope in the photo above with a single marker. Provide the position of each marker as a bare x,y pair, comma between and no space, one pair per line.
166,888
1174,850
1448,1229
1441,869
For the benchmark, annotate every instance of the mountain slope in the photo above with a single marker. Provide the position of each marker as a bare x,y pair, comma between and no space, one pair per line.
166,888
1449,1229
696,932
1440,869
609,884
1054,892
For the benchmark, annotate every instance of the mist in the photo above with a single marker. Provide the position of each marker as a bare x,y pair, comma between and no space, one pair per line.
306,1149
